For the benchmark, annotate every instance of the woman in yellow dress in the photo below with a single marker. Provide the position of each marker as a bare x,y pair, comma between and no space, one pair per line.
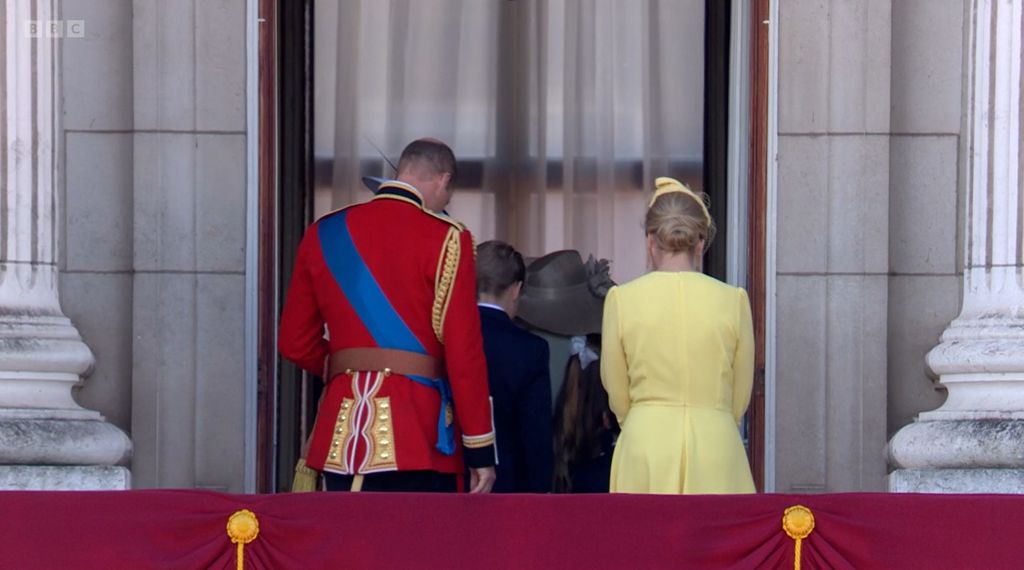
677,360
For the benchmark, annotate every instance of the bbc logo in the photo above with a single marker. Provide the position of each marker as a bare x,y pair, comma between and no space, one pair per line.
55,28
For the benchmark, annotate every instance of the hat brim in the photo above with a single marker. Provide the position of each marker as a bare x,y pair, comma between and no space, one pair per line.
566,315
373,183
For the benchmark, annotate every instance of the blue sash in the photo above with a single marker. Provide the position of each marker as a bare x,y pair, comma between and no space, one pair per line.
376,312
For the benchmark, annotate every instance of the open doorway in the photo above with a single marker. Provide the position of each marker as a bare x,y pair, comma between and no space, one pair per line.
561,114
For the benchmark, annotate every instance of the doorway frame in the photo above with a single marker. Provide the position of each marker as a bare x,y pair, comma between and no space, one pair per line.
265,243
264,238
761,241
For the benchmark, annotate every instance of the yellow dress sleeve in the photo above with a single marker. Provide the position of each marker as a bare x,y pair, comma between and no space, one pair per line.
613,359
743,360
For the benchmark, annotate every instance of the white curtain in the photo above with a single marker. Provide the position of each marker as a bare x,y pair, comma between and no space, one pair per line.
560,112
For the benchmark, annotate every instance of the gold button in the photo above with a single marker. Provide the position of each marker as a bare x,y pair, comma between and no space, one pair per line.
384,417
335,443
384,442
343,417
345,405
334,456
384,455
339,429
384,405
383,429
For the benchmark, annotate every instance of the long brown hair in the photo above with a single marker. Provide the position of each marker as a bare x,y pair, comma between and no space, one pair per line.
582,417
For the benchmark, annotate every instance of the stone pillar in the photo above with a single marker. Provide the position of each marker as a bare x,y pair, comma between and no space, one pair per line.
974,442
47,441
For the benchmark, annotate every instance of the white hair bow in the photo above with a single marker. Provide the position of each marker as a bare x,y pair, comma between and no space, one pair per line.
578,347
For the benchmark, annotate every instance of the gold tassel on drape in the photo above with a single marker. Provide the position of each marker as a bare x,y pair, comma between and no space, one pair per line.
243,528
798,522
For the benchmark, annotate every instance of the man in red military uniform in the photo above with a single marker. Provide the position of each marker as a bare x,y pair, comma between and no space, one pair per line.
393,285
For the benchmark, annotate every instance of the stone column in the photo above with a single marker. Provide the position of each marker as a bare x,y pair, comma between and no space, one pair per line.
47,441
974,442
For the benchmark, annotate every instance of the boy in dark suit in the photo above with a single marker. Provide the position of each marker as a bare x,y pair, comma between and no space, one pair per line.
518,373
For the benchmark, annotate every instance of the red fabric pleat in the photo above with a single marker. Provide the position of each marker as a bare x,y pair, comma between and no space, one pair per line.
186,529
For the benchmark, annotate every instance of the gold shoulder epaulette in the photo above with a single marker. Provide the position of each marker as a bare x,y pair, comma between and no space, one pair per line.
458,225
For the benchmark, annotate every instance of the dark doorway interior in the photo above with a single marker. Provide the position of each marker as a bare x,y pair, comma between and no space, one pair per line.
296,392
716,125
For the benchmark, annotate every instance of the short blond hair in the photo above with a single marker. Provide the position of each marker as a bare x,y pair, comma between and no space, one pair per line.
678,222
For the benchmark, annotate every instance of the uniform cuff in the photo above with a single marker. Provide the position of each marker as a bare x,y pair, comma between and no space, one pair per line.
478,457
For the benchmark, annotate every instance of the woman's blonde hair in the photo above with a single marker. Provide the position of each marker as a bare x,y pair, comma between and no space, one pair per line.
678,218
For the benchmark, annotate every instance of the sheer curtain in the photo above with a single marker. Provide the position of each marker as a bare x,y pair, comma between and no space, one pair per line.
560,112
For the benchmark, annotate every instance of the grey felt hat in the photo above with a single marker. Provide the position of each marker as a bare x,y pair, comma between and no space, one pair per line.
563,295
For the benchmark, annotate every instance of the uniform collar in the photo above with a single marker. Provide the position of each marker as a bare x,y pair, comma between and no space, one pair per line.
396,190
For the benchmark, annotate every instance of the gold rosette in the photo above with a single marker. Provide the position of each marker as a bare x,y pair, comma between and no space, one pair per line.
798,522
243,528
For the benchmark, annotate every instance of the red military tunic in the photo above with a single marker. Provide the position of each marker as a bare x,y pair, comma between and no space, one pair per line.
423,262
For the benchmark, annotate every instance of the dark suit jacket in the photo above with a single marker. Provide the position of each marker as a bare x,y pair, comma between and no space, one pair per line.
520,382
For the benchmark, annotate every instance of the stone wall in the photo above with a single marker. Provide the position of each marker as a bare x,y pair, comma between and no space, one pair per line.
868,237
155,189
926,196
833,239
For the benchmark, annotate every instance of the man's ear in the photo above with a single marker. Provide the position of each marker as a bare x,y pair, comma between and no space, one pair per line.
517,289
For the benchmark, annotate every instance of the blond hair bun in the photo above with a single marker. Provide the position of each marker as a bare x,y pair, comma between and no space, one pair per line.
677,217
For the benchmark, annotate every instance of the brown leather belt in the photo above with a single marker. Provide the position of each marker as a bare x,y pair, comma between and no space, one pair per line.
384,360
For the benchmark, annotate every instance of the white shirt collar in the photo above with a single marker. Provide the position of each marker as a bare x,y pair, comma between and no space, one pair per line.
491,306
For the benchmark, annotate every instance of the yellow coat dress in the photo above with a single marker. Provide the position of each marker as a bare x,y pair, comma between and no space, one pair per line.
677,361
